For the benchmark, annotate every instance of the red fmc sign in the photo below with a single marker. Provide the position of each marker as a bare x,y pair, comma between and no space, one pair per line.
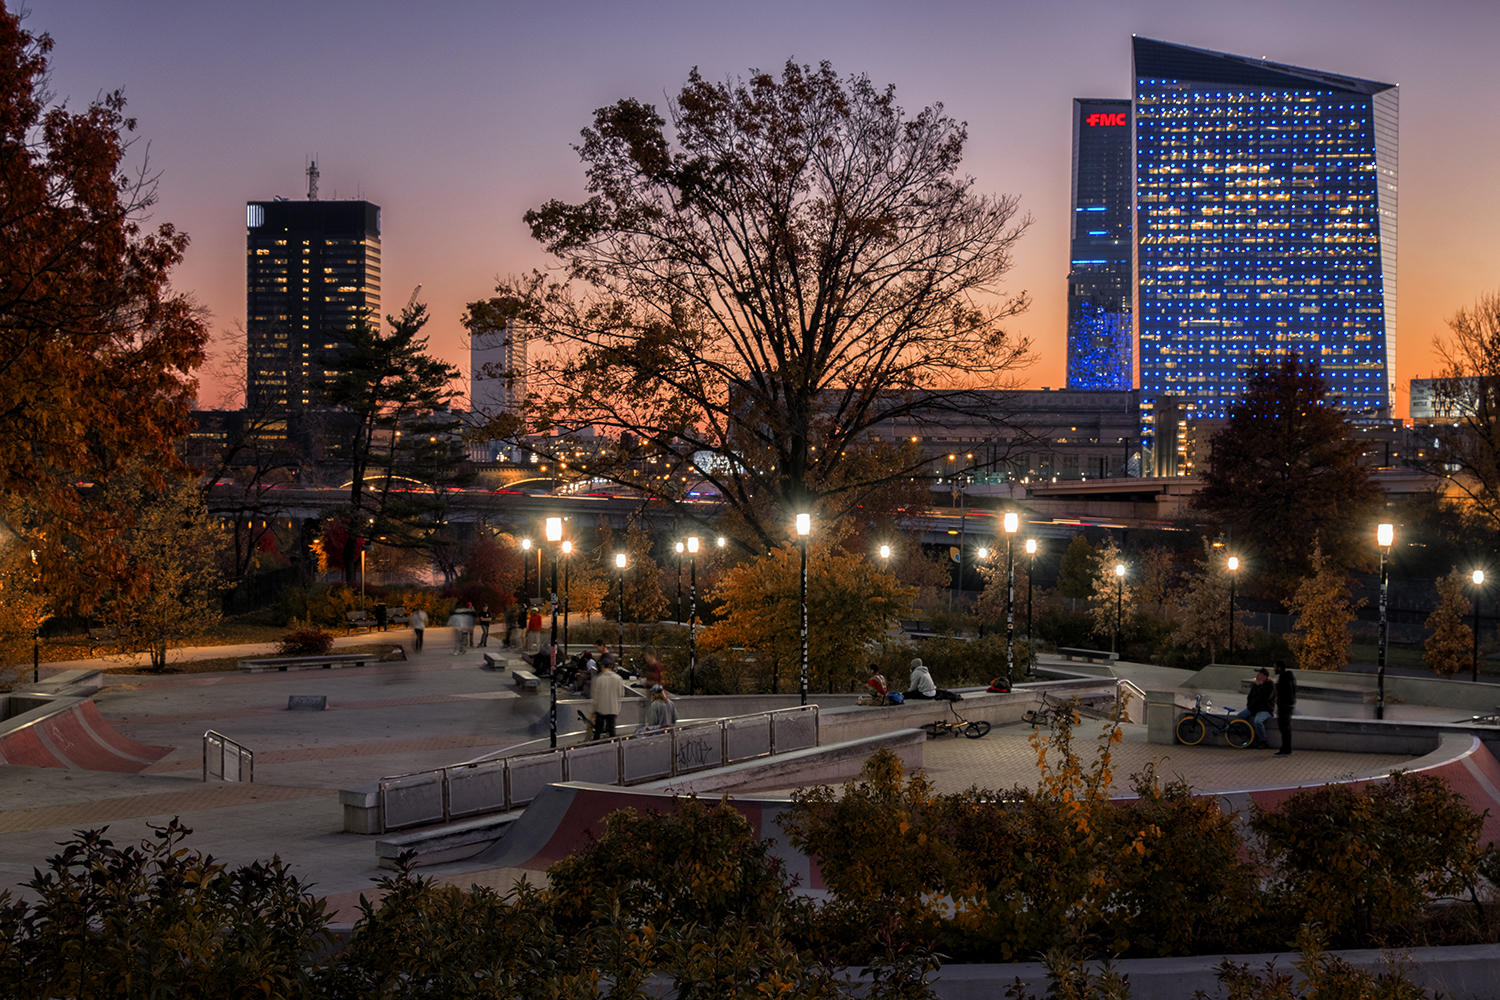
1118,118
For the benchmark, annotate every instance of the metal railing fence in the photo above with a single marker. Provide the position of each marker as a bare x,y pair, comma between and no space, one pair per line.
226,759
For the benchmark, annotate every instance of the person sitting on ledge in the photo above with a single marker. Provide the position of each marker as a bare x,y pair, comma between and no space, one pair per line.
922,685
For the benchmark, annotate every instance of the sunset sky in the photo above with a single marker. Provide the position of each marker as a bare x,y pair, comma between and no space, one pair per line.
456,117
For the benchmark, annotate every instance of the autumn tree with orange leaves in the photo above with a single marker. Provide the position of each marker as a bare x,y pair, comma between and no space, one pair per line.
97,353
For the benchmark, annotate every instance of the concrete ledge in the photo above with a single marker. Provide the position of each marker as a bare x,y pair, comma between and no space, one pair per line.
1463,973
80,681
21,711
307,703
820,765
361,809
440,845
332,661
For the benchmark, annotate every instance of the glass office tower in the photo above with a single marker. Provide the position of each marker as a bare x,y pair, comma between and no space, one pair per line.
1265,225
1100,288
312,269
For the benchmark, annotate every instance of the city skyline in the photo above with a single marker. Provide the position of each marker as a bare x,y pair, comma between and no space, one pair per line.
459,117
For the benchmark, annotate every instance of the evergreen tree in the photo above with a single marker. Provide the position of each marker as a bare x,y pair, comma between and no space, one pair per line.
1320,639
1075,575
1450,648
1286,472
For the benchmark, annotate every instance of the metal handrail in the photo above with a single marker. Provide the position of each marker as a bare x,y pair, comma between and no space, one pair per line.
1127,690
677,764
243,756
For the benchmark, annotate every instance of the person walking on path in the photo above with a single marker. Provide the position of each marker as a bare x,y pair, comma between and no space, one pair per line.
380,616
605,701
484,626
1259,706
1286,697
534,628
462,623
419,626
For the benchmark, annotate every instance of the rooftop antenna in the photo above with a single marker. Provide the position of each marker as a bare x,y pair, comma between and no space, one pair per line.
312,180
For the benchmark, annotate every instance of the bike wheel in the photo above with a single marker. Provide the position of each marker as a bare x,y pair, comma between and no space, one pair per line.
1032,719
1190,730
1240,734
931,729
975,730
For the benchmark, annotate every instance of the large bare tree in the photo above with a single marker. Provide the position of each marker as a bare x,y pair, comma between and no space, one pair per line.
760,281
1468,393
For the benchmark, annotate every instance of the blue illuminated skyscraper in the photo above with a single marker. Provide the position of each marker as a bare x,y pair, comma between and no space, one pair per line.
1099,272
1265,225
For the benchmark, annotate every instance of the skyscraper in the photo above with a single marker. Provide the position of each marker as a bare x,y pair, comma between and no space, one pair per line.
1265,225
1100,288
312,270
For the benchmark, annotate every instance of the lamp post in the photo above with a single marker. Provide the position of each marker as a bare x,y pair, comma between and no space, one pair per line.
620,646
526,568
1012,523
1478,582
1385,534
804,528
885,557
1234,570
1119,605
692,547
1030,572
554,535
680,547
567,548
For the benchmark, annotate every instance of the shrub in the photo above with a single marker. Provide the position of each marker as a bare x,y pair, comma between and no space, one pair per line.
305,642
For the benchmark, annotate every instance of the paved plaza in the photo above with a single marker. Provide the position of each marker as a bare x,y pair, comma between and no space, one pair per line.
438,709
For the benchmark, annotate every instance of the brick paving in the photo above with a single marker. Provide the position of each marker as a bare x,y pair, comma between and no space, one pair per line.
1006,758
81,814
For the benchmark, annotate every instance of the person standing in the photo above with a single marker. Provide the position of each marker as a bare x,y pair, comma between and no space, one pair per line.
660,713
484,626
419,626
380,615
1259,706
605,701
534,628
1286,697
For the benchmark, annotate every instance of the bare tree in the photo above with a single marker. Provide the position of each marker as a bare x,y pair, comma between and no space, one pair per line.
749,296
1468,392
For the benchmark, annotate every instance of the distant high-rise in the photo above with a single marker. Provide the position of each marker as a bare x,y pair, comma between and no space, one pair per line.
497,362
1266,225
312,270
1100,286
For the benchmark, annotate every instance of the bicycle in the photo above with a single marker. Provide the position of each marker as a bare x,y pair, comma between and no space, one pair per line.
1045,715
942,727
1192,728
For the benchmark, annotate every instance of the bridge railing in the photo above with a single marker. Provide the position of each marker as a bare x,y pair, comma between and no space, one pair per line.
491,785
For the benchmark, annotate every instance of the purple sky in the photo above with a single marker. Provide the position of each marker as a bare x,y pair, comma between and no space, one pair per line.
456,117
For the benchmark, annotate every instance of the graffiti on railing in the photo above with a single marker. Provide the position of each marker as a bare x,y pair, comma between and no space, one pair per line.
693,751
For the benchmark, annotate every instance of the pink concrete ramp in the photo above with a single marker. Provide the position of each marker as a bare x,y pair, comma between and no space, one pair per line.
76,736
565,817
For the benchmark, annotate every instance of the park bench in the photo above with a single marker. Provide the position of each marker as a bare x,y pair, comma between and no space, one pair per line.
1087,654
358,619
526,679
109,635
918,630
397,616
331,661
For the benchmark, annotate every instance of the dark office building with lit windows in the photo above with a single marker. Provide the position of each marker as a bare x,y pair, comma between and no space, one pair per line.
1265,225
1100,285
312,270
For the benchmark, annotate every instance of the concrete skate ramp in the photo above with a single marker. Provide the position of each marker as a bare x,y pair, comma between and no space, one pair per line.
565,817
70,732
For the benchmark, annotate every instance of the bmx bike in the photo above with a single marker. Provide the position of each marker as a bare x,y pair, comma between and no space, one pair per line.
944,727
1193,727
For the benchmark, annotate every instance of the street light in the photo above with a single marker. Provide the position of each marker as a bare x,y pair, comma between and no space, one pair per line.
1385,534
554,535
1234,570
1012,523
526,566
804,528
1478,582
620,565
692,547
1119,605
567,549
1030,572
680,547
885,553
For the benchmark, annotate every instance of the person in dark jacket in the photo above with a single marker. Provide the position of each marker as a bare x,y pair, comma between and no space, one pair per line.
1286,697
1260,705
